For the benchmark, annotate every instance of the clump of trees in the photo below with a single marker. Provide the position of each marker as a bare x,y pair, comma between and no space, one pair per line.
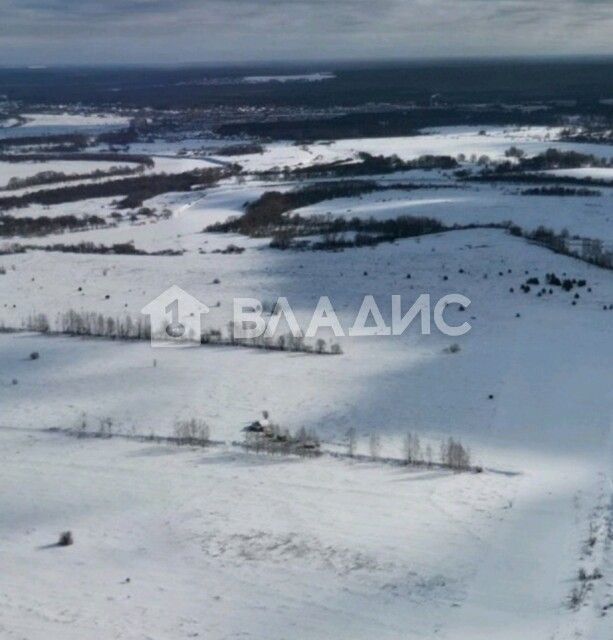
550,159
342,233
593,133
231,249
249,148
104,428
192,432
44,225
454,455
591,250
37,322
82,323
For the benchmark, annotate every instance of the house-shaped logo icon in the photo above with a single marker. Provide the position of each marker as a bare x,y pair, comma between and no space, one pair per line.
176,318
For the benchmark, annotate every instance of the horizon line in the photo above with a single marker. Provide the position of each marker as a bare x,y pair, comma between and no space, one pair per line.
529,58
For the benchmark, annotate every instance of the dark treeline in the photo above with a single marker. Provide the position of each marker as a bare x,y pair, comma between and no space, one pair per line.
559,191
118,249
359,83
240,149
122,137
340,233
85,157
54,177
268,213
134,190
43,225
537,178
367,166
383,123
269,216
73,140
550,159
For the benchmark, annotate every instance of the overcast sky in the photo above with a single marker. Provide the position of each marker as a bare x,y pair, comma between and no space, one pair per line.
102,31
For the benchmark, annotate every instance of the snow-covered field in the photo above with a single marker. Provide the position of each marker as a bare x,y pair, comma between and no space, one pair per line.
452,141
586,215
48,124
220,543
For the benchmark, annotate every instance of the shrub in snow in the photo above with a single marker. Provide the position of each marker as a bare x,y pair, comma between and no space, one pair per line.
105,428
66,539
453,348
575,598
81,427
34,355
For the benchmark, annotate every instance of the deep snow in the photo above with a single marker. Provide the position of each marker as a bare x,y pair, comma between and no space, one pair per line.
220,543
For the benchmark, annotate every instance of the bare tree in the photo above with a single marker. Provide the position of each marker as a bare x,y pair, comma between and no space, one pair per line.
352,440
192,431
375,445
455,455
412,448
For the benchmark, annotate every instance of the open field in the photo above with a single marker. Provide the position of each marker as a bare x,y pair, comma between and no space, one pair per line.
220,542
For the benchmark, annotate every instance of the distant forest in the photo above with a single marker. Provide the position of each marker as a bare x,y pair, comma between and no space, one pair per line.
504,81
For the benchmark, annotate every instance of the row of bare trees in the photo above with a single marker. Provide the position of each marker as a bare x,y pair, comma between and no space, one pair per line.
85,323
452,453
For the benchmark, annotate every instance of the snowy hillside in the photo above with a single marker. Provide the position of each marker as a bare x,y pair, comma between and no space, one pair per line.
223,542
